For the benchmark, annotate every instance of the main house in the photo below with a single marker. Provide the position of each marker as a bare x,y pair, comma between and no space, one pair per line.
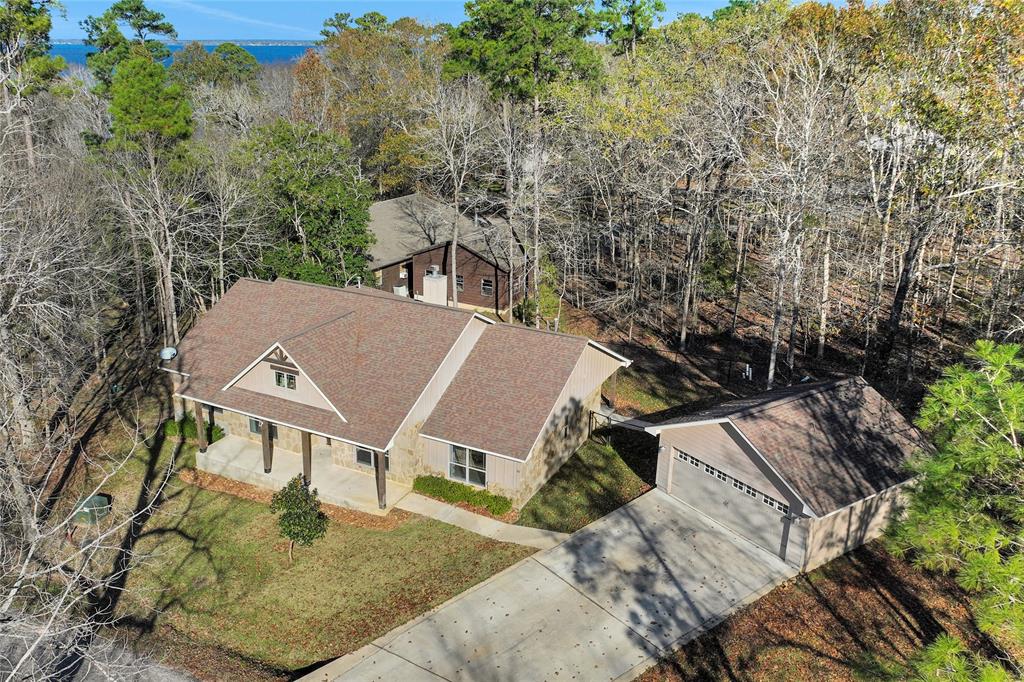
414,240
331,381
807,472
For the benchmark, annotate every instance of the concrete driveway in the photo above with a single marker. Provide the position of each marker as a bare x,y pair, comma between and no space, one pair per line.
602,605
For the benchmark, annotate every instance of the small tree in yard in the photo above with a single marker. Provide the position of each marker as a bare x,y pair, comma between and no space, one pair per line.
301,520
966,512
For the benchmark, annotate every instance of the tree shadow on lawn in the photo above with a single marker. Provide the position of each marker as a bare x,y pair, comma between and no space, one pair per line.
612,468
146,482
863,615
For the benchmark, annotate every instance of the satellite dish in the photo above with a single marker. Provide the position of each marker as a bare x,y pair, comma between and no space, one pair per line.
168,353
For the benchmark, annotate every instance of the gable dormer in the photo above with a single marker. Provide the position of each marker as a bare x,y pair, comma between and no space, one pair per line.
277,374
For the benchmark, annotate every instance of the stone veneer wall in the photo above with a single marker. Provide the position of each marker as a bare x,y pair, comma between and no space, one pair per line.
556,445
402,466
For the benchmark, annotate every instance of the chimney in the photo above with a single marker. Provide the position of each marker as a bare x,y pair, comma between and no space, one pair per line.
435,286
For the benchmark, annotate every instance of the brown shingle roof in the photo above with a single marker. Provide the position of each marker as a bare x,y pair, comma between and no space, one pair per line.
502,396
834,442
370,352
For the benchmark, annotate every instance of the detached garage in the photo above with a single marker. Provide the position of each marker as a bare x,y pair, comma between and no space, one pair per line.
808,472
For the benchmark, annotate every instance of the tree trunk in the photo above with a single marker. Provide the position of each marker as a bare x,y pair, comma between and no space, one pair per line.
780,291
536,208
795,318
823,301
741,263
455,250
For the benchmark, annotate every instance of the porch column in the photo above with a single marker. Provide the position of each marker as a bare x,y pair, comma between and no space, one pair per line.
307,457
268,446
378,463
200,425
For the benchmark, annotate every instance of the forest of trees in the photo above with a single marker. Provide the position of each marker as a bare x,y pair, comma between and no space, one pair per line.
807,180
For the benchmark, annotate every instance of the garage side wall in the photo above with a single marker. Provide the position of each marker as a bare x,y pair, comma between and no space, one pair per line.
834,535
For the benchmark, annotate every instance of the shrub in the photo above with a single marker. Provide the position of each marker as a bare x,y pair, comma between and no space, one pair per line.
301,519
454,492
186,428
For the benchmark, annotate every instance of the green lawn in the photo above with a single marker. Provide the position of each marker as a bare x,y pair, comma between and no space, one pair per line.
613,467
218,575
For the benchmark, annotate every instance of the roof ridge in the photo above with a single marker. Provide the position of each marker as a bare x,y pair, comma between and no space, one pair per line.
314,327
814,389
352,289
542,331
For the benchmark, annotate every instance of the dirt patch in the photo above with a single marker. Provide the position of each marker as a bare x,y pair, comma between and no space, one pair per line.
351,517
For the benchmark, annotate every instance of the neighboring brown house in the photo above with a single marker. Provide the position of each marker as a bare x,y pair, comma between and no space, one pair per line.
414,236
339,377
808,472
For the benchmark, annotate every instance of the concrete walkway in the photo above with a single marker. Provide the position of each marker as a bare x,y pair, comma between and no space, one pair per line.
481,525
604,604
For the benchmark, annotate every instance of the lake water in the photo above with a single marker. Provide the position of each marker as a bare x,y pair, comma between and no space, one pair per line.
75,53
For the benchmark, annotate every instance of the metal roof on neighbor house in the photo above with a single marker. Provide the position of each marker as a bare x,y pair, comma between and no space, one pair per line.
414,223
834,442
370,353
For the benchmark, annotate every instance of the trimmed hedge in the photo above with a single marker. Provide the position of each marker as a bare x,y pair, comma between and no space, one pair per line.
453,491
187,429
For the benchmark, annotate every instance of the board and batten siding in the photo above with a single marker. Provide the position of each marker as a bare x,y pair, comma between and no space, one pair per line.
713,444
260,379
410,455
850,527
502,473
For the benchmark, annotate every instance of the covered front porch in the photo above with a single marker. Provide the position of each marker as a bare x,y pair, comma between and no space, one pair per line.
242,459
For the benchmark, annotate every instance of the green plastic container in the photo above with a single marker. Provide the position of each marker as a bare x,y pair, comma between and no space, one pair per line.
91,510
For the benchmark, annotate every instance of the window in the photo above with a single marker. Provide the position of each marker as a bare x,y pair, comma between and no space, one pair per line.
460,282
366,458
255,424
486,287
738,485
467,465
284,380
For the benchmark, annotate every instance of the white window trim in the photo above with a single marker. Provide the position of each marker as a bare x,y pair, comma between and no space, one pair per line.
287,375
267,352
373,459
467,466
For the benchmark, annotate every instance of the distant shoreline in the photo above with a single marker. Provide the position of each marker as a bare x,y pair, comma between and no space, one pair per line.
180,43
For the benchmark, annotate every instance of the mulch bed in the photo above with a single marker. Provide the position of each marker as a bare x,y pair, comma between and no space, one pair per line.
220,484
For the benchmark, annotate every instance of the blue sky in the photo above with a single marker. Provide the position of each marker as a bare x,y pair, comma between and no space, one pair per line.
288,19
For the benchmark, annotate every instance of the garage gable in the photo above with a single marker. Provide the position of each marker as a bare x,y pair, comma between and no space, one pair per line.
721,446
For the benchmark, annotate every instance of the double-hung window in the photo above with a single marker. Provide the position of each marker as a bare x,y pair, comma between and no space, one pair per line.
460,282
255,424
486,287
284,379
468,465
367,458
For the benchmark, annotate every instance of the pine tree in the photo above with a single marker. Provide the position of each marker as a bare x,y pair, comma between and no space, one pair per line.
966,512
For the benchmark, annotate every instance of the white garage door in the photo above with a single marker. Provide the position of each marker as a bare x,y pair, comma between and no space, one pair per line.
736,505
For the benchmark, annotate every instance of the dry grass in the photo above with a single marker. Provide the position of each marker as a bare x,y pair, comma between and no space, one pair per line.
217,596
856,618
